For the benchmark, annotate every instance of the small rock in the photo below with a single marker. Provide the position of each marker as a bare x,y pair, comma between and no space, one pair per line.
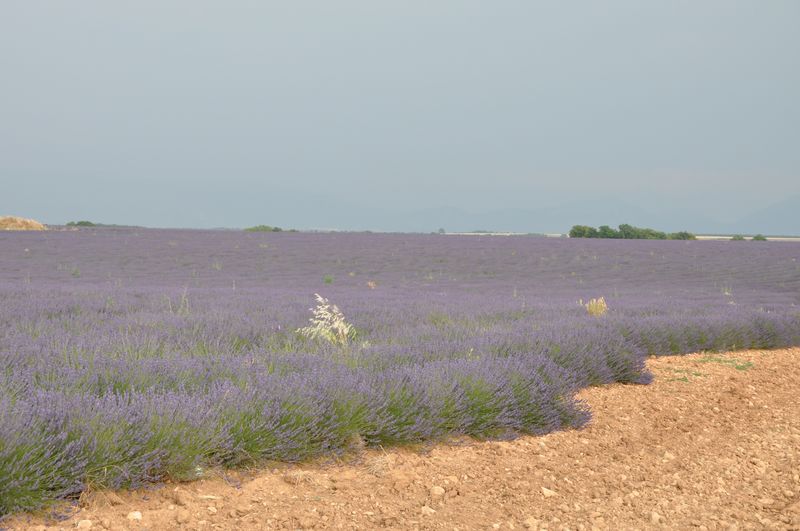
390,521
669,456
436,492
306,522
105,523
427,511
134,516
211,509
548,493
181,497
655,518
183,516
84,524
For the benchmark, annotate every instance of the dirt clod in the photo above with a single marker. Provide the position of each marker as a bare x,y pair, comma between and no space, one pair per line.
531,523
182,516
181,497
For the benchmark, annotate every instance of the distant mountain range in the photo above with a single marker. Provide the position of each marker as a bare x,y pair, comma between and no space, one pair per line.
782,218
319,211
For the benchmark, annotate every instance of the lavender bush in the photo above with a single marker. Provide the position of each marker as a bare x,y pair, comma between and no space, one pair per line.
173,351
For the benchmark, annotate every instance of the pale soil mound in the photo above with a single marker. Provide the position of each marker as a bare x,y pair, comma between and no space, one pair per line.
713,443
17,223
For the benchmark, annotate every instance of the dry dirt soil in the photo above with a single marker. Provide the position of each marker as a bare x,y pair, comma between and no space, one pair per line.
17,223
713,443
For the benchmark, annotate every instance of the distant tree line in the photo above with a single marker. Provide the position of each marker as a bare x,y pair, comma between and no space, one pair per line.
81,224
627,232
267,228
263,228
756,238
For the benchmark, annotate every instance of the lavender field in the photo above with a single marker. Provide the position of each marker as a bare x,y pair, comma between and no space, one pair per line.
131,355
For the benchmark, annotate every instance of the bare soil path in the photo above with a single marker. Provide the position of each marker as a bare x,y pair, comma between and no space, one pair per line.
713,443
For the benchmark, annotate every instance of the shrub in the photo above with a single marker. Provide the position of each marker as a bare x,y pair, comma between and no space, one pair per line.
682,235
759,238
596,307
737,238
328,323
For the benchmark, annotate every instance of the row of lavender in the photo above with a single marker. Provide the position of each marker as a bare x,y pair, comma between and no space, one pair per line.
131,355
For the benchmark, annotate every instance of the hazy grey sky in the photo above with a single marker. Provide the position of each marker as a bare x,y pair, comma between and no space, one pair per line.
370,114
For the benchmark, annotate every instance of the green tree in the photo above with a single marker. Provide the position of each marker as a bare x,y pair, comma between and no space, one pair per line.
264,228
604,231
582,231
627,232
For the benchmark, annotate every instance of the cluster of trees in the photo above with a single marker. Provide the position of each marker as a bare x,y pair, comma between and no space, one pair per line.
627,232
268,228
263,228
81,224
756,238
